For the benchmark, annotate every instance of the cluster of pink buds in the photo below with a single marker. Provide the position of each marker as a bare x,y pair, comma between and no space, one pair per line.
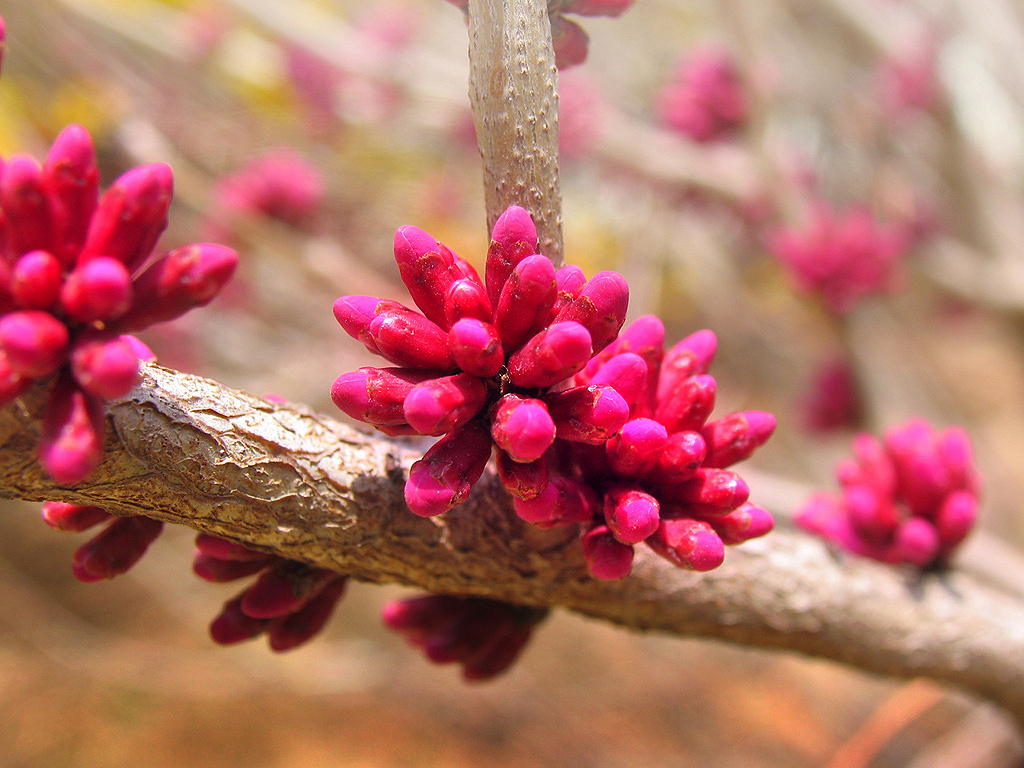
76,276
484,361
705,100
484,636
841,256
909,498
909,83
289,602
569,39
662,478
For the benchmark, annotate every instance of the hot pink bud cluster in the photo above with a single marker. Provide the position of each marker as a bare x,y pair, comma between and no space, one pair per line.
484,636
289,602
76,275
841,256
705,100
911,497
484,361
662,478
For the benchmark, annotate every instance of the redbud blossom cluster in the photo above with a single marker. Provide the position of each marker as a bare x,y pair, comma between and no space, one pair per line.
484,361
662,479
841,256
705,100
911,497
77,275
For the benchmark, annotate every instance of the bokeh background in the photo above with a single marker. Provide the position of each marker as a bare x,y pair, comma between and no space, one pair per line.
911,109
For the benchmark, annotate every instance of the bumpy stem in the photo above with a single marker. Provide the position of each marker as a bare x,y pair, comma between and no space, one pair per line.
285,480
513,88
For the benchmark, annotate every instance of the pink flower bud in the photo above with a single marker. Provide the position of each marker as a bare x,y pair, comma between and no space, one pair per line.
428,269
12,383
684,452
376,395
36,280
570,281
224,549
232,625
513,238
916,543
563,501
607,558
409,339
355,313
104,365
217,571
98,289
635,450
447,472
551,356
3,39
466,299
524,307
955,452
690,544
921,474
476,348
570,42
296,628
34,342
72,179
711,490
873,516
74,518
116,549
71,445
736,437
742,524
587,414
690,357
627,374
600,308
131,216
955,519
522,427
522,480
631,514
180,280
437,406
688,406
873,467
284,588
25,207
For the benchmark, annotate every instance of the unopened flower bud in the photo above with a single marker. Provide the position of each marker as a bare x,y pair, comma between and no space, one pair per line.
873,516
446,473
73,517
736,436
607,558
355,313
296,628
569,41
428,269
917,542
437,406
217,571
523,480
116,549
36,280
233,625
72,179
688,406
712,489
563,501
465,299
513,238
551,356
12,383
690,357
690,544
631,514
742,524
524,306
26,209
634,451
587,414
683,454
376,395
104,365
35,343
476,348
98,289
522,427
407,338
600,308
570,280
284,588
955,519
71,445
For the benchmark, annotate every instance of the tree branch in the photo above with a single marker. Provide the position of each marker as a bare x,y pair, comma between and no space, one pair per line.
283,479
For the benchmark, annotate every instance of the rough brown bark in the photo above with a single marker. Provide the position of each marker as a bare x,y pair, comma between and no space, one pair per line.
286,480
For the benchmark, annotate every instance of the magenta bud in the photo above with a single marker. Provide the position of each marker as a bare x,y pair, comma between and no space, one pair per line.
522,480
116,549
631,514
409,339
683,454
138,348
688,406
355,313
551,356
284,588
600,308
712,490
180,280
36,280
917,543
627,373
34,342
873,516
522,427
25,206
12,383
873,466
742,524
954,449
570,42
296,628
447,472
513,238
437,406
104,365
587,414
736,436
98,289
562,502
690,544
476,348
570,281
217,571
223,549
72,179
607,558
466,299
635,450
376,395
74,518
232,625
428,269
690,357
71,445
524,307
955,519
131,216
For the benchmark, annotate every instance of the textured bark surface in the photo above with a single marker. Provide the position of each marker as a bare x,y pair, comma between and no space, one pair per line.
283,479
513,87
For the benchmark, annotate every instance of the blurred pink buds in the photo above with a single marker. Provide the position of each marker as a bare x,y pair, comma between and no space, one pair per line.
705,100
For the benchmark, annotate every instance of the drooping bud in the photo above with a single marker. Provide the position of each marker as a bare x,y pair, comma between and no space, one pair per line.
224,549
631,514
36,280
71,445
634,451
522,427
690,544
120,545
217,571
34,342
232,625
296,628
569,41
736,436
376,395
476,348
524,306
587,414
513,238
688,406
446,473
523,480
551,356
71,178
284,588
428,269
437,406
607,558
74,518
104,365
600,308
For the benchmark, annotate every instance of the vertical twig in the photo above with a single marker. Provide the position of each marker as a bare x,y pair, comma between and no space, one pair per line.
513,88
